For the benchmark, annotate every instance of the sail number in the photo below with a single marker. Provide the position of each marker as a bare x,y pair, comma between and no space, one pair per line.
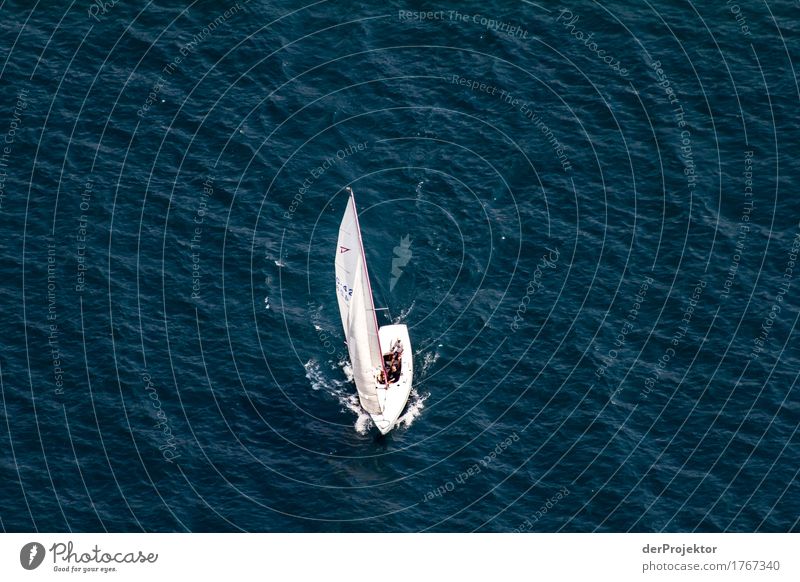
343,290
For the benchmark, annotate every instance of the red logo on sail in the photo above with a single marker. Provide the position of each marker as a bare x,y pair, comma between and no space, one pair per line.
343,250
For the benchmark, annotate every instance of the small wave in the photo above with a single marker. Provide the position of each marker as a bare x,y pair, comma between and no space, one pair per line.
315,375
404,313
347,369
343,391
322,381
349,399
416,403
363,421
428,360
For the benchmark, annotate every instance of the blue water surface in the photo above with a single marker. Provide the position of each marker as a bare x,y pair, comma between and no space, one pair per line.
585,213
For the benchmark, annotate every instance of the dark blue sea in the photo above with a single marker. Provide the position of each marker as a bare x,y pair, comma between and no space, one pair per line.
587,214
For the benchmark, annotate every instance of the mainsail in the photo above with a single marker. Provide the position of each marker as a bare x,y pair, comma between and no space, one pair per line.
357,309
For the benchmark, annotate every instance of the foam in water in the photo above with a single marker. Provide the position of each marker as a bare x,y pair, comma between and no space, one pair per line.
416,403
428,360
400,319
340,390
364,421
315,375
347,369
348,398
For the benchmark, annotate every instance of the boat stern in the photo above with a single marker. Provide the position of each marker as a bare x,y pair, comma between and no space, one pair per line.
393,399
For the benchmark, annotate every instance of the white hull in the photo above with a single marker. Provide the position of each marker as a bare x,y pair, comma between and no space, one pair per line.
393,399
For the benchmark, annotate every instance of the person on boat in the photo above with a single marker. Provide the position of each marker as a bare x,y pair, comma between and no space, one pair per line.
394,373
397,351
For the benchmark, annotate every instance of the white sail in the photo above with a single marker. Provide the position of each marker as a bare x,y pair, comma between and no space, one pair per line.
357,309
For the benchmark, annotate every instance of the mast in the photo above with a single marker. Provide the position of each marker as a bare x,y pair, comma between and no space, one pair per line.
369,287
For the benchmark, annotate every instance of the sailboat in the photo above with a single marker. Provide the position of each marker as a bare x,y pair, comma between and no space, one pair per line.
383,368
